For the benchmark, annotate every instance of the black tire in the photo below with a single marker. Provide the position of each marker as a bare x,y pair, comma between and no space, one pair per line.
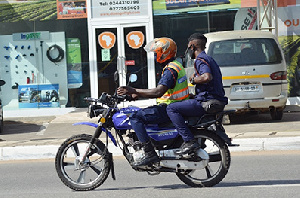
89,175
218,164
276,114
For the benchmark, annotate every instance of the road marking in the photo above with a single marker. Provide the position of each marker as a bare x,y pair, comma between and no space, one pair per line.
273,186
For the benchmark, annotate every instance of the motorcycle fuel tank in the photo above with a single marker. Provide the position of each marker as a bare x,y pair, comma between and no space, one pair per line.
121,118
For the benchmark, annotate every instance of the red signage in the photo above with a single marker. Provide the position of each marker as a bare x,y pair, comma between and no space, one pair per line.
130,62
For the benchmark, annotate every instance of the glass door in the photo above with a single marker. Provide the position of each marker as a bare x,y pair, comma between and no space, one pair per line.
107,58
136,61
120,48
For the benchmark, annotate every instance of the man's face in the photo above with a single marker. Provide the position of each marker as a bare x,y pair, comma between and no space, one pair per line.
192,44
191,49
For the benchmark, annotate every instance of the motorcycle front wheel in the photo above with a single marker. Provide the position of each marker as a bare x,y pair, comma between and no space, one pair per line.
82,175
217,167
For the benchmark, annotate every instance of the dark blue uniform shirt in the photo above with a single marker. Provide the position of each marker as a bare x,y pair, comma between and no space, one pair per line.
168,78
213,89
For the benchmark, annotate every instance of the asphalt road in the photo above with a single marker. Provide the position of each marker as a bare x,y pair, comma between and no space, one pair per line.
252,174
60,127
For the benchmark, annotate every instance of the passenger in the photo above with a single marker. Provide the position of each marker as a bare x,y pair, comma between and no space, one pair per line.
172,87
209,98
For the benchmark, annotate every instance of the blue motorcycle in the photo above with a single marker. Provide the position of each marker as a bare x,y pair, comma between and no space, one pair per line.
83,162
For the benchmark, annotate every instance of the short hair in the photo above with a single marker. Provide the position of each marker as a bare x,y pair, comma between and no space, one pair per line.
201,39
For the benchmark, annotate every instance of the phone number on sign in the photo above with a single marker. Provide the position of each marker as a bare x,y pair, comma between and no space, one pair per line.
125,8
123,2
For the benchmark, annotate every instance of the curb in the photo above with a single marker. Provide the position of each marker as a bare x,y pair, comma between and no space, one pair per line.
246,144
266,144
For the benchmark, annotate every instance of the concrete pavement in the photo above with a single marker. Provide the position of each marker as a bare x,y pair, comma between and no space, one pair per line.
36,134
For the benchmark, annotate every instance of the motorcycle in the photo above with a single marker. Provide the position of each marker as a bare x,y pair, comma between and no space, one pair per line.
83,162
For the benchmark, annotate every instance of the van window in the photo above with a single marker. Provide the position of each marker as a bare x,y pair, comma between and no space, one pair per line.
238,52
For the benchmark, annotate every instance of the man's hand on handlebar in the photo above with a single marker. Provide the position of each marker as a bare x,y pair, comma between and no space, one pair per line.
127,90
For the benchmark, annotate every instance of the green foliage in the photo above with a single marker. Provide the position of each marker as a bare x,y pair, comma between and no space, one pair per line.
30,11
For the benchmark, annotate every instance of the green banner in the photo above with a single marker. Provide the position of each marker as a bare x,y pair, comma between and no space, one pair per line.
74,63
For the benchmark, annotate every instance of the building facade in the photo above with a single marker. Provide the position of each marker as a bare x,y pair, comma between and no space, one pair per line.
53,53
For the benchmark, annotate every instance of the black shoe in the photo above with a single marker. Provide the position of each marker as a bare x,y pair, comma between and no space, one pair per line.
188,147
148,159
150,156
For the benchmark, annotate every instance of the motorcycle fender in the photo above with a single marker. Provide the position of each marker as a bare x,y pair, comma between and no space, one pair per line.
103,129
86,123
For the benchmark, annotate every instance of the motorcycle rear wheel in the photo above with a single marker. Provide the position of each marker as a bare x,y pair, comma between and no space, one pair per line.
87,175
218,164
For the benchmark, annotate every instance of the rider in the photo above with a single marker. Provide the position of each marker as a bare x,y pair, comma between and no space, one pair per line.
210,95
172,87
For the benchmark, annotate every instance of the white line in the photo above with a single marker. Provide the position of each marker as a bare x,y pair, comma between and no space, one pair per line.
273,186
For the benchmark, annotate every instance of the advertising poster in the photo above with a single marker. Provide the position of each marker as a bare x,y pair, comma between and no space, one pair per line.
161,7
38,96
27,10
280,3
289,39
246,19
71,9
74,63
171,4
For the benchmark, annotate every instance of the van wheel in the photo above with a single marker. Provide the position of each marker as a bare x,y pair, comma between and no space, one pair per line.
276,114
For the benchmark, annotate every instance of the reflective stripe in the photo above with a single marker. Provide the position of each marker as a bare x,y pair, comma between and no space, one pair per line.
179,96
180,91
174,66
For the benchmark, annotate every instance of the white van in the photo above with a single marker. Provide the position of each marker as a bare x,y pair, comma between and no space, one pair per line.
253,69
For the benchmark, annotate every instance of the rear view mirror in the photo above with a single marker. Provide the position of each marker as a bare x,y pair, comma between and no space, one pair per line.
116,77
132,78
2,82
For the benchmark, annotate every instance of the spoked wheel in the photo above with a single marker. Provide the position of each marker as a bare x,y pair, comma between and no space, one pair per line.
82,175
217,167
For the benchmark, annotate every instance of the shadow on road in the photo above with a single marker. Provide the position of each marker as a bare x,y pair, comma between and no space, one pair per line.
164,187
17,127
258,183
24,124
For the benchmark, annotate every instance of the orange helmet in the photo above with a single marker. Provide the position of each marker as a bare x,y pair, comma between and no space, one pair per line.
165,48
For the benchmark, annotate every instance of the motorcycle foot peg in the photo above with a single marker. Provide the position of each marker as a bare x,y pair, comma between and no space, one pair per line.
229,143
233,145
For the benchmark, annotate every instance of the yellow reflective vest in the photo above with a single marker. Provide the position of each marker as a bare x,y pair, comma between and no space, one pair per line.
180,91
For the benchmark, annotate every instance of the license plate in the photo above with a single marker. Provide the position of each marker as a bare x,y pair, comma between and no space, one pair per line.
246,88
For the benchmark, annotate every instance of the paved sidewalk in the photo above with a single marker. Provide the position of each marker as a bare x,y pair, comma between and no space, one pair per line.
38,134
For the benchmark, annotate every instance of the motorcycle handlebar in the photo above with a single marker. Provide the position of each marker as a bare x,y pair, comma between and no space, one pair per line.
90,99
124,97
104,98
